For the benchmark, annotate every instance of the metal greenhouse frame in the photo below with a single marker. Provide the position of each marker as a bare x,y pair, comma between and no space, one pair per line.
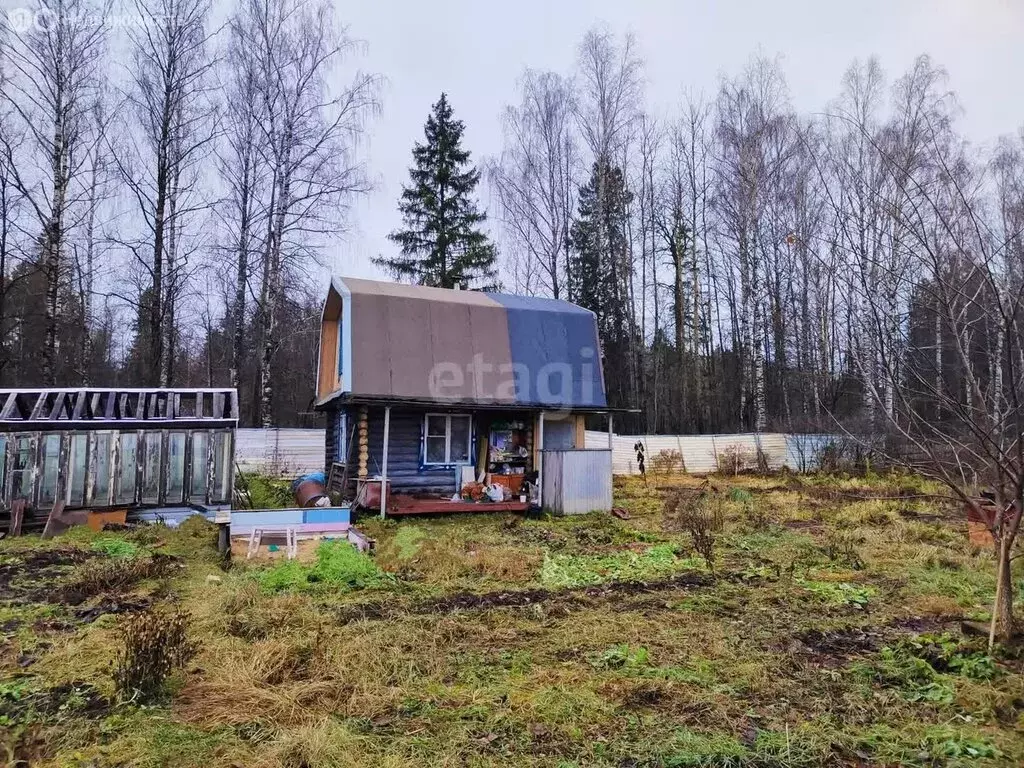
117,448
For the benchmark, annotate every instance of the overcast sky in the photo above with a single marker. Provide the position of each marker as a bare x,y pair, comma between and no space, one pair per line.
475,50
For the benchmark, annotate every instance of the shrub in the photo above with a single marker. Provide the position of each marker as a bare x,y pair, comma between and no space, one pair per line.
154,643
842,547
762,461
103,575
733,459
699,515
261,492
668,461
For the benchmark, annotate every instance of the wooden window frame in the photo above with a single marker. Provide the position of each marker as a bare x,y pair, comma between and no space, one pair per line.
448,439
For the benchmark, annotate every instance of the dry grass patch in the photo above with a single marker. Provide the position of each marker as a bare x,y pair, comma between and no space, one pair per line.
459,655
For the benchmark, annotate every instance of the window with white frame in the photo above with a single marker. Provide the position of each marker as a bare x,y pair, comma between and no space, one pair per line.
447,438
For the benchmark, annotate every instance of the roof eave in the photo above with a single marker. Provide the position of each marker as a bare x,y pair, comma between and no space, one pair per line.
347,398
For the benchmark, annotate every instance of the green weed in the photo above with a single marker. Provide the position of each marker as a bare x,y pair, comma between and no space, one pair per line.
924,667
947,653
338,565
838,592
621,656
560,570
115,546
946,742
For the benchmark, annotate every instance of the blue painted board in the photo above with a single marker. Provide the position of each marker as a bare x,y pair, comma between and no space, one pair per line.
327,515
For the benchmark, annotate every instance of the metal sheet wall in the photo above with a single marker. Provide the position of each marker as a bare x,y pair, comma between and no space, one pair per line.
280,452
576,482
290,452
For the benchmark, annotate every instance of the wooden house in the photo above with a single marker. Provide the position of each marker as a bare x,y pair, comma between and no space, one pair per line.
426,388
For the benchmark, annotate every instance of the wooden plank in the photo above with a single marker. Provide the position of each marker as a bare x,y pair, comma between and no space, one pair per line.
17,517
360,540
400,506
59,520
97,520
37,410
384,462
328,358
305,528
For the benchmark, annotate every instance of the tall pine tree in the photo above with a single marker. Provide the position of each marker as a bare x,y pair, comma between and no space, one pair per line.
599,268
441,243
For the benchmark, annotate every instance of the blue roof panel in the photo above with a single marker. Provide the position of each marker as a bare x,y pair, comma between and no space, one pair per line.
555,352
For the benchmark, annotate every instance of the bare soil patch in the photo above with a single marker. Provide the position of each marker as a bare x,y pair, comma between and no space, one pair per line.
566,598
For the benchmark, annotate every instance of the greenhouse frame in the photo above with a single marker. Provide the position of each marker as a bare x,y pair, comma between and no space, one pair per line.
101,449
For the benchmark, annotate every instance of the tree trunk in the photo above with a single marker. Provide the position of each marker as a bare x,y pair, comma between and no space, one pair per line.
153,369
1003,608
168,321
53,243
273,279
238,310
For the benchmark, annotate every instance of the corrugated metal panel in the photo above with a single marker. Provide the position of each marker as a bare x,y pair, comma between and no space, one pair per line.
577,482
291,452
700,452
805,450
280,452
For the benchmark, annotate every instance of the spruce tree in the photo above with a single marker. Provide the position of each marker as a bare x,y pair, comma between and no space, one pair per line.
599,268
599,262
441,243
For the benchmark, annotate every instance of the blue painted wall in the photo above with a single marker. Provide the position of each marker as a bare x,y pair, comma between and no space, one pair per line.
405,450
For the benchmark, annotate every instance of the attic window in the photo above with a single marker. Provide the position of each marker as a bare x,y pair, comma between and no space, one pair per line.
446,438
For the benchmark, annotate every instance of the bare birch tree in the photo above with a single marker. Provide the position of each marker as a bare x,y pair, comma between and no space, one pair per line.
170,97
53,74
959,417
534,179
309,137
90,247
753,130
243,176
608,108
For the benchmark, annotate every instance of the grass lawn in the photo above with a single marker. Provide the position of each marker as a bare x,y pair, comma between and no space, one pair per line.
825,631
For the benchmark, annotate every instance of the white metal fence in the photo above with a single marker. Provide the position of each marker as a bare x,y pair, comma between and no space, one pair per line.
291,452
701,453
280,452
